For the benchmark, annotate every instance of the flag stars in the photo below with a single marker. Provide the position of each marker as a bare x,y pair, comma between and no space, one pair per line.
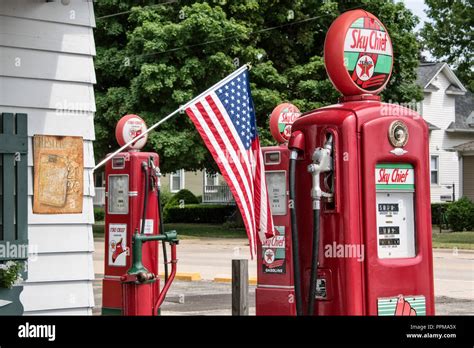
237,102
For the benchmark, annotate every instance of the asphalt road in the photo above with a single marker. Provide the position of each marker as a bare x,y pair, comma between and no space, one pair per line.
453,272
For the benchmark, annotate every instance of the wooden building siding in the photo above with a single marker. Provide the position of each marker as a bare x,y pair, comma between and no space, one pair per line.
47,72
43,120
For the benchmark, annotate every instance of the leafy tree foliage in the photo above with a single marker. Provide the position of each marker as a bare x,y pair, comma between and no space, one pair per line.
154,58
449,35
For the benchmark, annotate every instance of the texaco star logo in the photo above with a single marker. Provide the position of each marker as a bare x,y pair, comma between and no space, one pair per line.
365,68
269,256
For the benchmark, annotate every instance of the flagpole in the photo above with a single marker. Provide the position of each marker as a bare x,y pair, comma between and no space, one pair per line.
182,107
136,138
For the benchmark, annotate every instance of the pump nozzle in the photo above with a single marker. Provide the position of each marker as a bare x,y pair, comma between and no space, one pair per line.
322,163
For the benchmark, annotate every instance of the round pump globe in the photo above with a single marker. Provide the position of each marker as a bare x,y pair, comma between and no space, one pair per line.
128,128
358,54
281,119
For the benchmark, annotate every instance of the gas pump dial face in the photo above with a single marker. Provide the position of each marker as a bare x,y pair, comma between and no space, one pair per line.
398,134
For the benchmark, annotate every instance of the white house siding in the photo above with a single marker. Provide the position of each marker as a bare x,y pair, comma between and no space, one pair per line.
439,110
47,71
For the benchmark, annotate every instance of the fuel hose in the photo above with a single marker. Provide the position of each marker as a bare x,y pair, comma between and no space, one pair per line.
315,257
162,231
294,235
145,196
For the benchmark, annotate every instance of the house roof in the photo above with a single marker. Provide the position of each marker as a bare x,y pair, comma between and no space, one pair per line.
469,146
432,126
427,72
464,114
464,100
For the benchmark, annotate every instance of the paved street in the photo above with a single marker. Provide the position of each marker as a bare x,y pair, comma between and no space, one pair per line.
454,278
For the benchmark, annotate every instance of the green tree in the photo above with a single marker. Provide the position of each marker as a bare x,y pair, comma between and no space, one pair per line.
449,36
154,58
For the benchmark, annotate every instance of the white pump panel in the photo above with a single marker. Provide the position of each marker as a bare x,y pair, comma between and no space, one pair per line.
395,211
118,194
276,186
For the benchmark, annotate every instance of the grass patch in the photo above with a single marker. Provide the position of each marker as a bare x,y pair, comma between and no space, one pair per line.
460,240
189,230
206,230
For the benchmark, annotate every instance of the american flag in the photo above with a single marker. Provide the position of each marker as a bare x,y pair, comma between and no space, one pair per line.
225,118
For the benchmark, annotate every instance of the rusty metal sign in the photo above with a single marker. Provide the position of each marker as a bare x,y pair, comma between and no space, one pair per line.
58,174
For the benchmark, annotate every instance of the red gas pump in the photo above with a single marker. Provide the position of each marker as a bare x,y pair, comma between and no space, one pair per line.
132,220
358,181
275,293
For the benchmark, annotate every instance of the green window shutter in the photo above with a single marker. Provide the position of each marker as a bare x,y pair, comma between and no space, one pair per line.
14,184
13,202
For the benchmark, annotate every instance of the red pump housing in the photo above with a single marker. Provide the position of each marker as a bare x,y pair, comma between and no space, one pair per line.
275,293
375,254
124,209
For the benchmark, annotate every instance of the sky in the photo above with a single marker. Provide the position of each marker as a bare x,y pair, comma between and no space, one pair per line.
417,7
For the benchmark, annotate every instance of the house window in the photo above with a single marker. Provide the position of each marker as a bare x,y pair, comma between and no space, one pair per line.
434,170
177,181
210,181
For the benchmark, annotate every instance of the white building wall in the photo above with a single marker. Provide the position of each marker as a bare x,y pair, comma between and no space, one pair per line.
439,110
47,71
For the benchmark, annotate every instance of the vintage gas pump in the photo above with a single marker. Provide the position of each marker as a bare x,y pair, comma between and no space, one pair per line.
132,222
275,293
359,180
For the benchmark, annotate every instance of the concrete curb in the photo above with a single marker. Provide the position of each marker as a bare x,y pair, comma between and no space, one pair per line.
252,280
187,277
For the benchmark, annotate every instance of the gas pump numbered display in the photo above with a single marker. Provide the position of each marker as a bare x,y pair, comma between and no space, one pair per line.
118,194
276,187
394,207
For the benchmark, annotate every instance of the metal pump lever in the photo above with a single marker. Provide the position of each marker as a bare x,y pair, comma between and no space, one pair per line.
322,163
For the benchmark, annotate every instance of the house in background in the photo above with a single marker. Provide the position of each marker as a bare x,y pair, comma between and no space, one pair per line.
47,72
447,107
212,187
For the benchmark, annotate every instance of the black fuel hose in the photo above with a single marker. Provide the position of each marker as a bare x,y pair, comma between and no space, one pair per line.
314,260
145,196
162,231
294,235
